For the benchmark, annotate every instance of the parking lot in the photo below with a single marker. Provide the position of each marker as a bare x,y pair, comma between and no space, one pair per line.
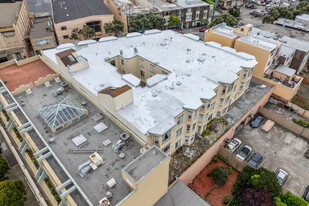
280,149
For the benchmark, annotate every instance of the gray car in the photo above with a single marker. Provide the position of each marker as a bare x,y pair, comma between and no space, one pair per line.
255,160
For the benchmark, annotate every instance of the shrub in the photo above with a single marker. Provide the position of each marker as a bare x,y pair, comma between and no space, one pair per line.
227,199
293,200
230,170
220,175
255,196
215,158
302,123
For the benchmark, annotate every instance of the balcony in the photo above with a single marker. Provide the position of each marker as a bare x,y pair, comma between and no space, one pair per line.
284,76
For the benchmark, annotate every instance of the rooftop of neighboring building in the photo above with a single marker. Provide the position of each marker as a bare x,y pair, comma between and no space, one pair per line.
42,27
181,195
285,70
9,12
260,42
15,75
94,184
295,43
243,105
67,10
286,51
39,7
145,163
204,66
303,17
224,30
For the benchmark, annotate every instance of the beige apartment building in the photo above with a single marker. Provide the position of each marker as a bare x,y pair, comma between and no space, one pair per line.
156,100
270,54
191,13
15,26
75,14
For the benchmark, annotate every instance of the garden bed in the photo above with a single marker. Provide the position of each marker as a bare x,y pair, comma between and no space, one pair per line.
203,185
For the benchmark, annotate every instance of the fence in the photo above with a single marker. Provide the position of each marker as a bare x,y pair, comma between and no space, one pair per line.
283,122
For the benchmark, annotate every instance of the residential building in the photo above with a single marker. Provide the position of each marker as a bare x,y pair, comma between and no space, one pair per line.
75,14
42,34
272,55
15,26
158,101
192,13
38,119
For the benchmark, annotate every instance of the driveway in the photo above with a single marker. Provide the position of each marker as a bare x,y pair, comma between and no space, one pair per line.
280,149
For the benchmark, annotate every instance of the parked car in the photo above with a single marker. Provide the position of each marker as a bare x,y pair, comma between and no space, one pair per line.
267,126
234,144
251,6
255,13
256,160
282,176
204,29
306,194
244,152
256,122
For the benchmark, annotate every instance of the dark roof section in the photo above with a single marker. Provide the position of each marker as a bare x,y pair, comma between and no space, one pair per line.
181,195
114,92
66,10
67,58
41,28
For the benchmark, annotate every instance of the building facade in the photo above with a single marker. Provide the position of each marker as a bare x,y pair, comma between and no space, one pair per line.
77,14
15,24
270,54
191,13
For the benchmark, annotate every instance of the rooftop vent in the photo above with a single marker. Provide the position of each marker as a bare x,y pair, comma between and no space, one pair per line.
121,52
172,87
188,49
201,59
178,83
163,43
135,50
188,60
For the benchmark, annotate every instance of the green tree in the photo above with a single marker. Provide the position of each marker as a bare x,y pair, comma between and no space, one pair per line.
87,32
255,196
12,193
227,18
174,20
75,34
4,168
234,12
118,27
108,27
146,22
268,19
293,200
205,22
260,178
220,175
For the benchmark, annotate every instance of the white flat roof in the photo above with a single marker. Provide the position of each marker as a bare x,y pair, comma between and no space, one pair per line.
286,70
154,108
259,41
224,30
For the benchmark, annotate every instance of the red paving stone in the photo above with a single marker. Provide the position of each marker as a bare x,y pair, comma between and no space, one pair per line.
25,74
202,184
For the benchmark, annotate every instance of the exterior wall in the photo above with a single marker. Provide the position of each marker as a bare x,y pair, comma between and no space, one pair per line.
78,66
79,23
150,189
17,43
118,14
123,99
223,40
51,39
206,158
262,56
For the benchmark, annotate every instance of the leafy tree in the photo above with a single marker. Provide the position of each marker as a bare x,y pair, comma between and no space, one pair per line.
256,196
234,12
174,20
260,178
220,175
4,168
115,27
75,34
146,22
87,32
303,7
12,193
293,200
205,22
278,201
227,18
268,19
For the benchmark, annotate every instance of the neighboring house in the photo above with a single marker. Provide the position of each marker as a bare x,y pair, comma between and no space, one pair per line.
161,102
42,35
15,24
74,14
270,54
191,12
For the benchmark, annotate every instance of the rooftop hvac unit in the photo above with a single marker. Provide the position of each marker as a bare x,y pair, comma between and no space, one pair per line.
142,150
104,202
111,183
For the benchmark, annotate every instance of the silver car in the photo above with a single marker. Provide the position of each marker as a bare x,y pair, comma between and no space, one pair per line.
234,144
244,152
282,176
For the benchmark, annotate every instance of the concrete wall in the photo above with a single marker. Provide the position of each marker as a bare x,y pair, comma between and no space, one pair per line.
79,23
283,122
150,189
206,158
123,99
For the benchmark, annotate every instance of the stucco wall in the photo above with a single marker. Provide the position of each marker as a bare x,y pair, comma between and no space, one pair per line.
118,13
223,40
